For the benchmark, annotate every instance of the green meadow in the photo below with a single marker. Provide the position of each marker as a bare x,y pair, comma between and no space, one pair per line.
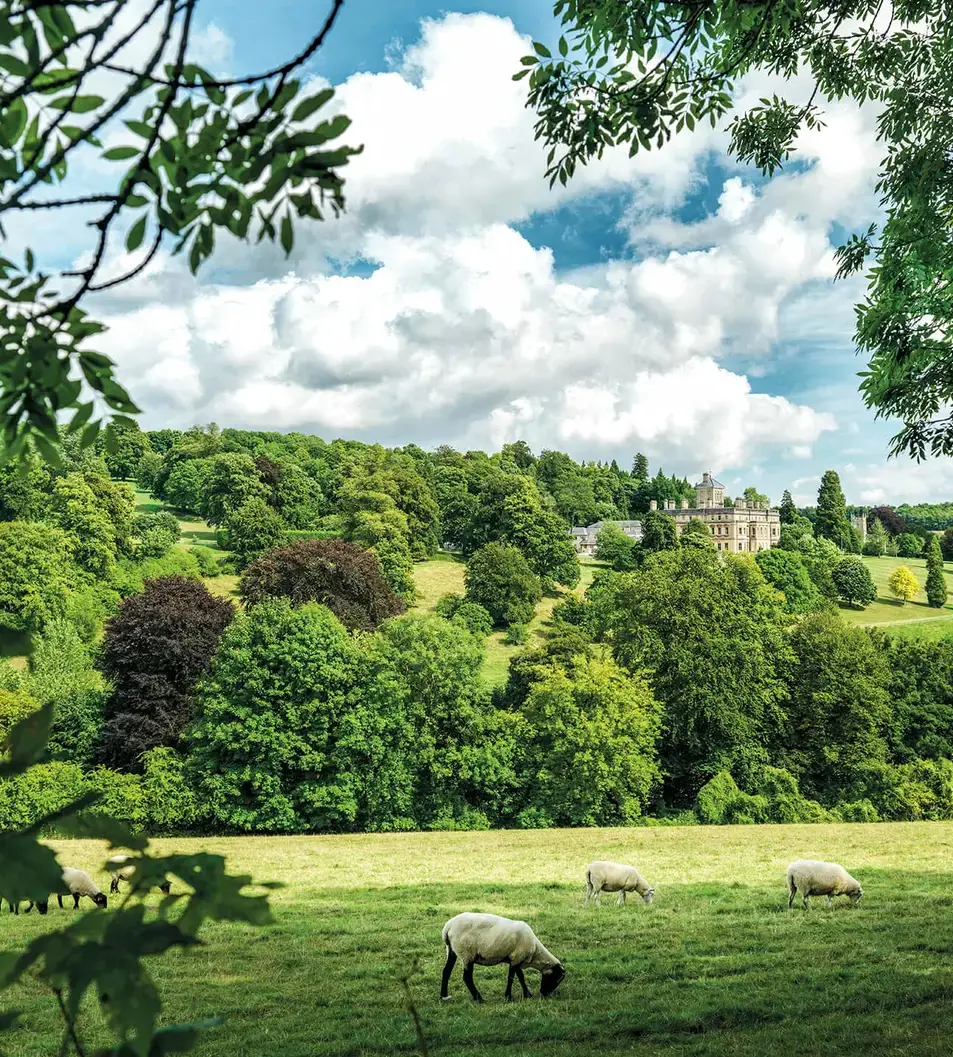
716,965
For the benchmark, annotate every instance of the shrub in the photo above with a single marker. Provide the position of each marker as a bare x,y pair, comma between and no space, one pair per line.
720,802
206,561
467,819
121,796
170,801
474,618
251,530
516,634
43,789
340,575
90,606
857,811
155,650
500,579
534,818
786,571
14,706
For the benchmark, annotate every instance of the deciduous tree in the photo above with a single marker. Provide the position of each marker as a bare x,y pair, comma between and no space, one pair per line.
155,650
853,581
500,579
903,584
344,577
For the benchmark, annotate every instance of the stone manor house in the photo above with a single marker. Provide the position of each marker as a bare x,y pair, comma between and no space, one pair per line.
744,528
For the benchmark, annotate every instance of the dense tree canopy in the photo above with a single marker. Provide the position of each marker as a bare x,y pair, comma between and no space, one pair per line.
344,577
637,73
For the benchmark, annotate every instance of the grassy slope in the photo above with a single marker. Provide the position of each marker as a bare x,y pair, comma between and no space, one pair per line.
885,610
717,965
444,575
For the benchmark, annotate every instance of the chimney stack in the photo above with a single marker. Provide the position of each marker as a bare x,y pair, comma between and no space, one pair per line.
669,504
684,504
653,505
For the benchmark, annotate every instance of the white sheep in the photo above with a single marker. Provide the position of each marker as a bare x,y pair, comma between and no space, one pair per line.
813,878
121,868
78,883
602,876
486,939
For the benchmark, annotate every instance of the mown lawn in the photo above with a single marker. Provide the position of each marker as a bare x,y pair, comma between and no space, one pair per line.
717,965
886,610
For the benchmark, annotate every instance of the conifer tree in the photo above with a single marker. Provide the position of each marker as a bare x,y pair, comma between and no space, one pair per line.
787,511
832,523
936,578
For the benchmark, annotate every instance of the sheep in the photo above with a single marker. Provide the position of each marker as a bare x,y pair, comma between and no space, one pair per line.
813,878
78,883
616,877
121,868
486,939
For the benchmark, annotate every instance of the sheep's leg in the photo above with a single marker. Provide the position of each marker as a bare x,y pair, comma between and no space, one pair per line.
76,901
522,979
806,898
791,894
29,907
589,890
447,970
621,900
510,977
59,899
830,900
595,898
471,986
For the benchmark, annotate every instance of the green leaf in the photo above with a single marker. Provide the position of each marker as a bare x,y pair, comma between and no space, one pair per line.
136,234
308,106
27,739
140,128
103,827
563,47
13,65
542,50
89,434
82,104
120,153
28,257
287,233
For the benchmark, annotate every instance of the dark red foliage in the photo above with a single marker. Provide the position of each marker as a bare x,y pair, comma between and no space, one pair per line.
344,577
155,650
889,518
268,471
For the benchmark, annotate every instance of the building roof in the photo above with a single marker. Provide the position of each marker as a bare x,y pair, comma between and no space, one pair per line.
708,481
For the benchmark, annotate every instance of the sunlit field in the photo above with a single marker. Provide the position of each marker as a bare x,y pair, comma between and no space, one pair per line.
887,611
716,965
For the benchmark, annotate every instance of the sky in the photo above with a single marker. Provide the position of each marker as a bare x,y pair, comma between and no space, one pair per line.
676,304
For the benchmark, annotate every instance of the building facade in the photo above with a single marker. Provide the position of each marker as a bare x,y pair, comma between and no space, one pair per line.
584,536
744,528
860,523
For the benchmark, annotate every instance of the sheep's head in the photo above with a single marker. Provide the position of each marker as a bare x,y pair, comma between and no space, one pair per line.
114,885
551,979
856,894
43,907
100,899
648,895
166,887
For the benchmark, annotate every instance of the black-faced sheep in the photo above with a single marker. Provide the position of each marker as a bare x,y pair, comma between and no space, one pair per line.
486,939
77,883
121,868
813,878
603,876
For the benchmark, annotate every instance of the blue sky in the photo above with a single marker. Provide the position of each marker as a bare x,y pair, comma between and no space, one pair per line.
675,304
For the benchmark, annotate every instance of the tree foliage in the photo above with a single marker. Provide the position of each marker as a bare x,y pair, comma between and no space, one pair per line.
500,579
786,571
787,511
831,522
903,584
155,650
853,581
344,577
636,74
194,157
937,589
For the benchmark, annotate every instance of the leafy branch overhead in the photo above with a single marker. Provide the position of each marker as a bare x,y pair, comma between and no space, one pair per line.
199,156
633,74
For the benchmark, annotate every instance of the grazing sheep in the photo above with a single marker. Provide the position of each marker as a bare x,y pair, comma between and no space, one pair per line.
78,883
486,939
41,904
121,868
813,878
616,877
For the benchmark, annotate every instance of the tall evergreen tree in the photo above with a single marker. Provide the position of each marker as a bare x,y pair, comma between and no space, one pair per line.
640,467
875,545
936,578
787,511
832,523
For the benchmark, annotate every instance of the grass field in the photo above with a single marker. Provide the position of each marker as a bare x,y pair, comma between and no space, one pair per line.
887,612
717,965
